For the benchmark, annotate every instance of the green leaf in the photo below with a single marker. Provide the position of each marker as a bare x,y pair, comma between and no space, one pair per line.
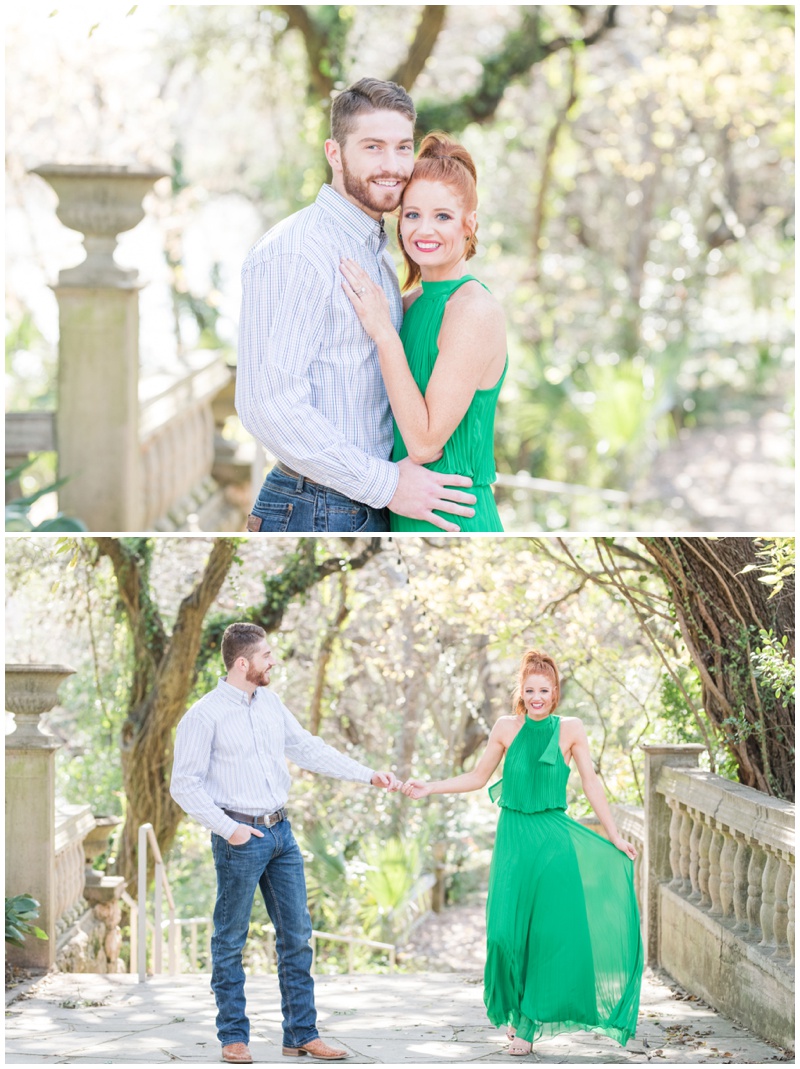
21,903
14,473
29,500
61,523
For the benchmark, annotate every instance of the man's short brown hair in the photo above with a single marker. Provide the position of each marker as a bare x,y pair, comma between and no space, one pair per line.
368,94
240,640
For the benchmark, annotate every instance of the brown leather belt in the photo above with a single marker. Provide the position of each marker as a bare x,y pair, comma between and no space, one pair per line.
284,470
247,818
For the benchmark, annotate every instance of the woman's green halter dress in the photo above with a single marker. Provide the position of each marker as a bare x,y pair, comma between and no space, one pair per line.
564,949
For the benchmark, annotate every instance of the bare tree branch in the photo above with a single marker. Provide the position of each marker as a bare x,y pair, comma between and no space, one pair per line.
428,29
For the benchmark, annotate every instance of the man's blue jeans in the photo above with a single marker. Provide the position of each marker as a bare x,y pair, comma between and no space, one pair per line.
292,504
275,865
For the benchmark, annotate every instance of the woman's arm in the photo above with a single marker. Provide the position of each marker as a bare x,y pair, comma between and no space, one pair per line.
472,351
593,788
469,781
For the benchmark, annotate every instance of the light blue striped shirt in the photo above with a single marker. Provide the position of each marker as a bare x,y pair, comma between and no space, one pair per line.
230,752
308,383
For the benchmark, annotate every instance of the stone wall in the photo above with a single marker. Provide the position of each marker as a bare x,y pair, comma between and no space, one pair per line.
720,892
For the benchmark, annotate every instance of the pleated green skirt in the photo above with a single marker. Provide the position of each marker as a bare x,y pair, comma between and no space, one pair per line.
564,949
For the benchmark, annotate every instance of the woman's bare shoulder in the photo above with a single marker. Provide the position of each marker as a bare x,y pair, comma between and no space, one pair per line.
573,726
473,307
506,726
410,297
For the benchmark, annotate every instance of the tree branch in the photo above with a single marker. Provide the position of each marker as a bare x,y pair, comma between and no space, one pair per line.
522,49
428,29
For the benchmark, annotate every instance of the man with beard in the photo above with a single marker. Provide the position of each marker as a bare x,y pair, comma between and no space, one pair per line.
230,774
309,384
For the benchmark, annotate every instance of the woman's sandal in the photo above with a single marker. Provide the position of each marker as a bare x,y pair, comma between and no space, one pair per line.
519,1047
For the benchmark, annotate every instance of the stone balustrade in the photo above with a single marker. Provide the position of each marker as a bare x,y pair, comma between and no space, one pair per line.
73,824
176,434
719,914
732,854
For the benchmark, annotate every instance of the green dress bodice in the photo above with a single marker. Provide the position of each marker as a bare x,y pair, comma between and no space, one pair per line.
470,449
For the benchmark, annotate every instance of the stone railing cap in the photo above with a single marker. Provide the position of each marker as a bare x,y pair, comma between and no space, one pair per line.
43,669
743,809
99,170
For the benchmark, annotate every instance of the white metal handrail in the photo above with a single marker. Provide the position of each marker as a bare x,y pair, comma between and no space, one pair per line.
148,836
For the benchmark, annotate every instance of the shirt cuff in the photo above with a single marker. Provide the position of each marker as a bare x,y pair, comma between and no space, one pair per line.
381,484
225,827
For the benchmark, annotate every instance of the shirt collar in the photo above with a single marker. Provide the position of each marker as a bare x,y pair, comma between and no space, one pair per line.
351,218
233,693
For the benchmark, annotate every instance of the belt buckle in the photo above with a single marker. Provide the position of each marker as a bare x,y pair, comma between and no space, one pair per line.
274,818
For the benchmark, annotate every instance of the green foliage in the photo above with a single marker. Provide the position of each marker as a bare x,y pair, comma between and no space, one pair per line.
17,510
390,879
778,555
774,665
30,362
676,713
21,911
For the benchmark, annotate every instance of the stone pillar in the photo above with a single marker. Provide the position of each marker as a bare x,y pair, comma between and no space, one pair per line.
97,419
31,690
656,866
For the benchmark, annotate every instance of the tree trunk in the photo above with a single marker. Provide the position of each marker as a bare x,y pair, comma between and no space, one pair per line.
720,612
163,676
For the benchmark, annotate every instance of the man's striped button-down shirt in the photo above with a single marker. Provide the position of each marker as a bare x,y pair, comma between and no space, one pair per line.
308,383
230,753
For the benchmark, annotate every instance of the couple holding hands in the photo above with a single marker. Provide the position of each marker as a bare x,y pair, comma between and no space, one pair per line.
379,408
564,951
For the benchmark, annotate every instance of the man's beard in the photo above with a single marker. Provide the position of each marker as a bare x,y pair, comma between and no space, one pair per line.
362,190
258,678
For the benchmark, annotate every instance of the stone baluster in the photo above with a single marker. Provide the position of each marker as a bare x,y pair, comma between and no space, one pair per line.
790,917
686,854
714,853
703,859
755,873
740,881
727,858
781,916
68,883
675,843
694,856
768,880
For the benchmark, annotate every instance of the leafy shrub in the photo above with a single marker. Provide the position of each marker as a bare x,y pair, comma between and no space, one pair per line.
21,911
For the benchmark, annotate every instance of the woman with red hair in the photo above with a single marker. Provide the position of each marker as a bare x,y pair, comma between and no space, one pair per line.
444,370
564,950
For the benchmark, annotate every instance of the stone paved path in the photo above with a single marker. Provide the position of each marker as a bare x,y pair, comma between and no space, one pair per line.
734,478
408,1018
